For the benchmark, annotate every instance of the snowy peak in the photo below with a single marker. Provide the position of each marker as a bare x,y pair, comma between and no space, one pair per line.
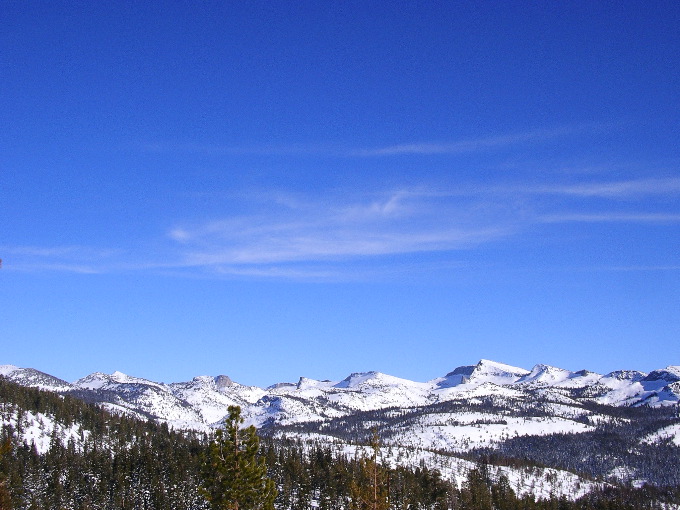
373,379
623,376
204,381
546,375
395,389
497,373
281,385
220,383
93,381
100,380
203,402
121,378
33,378
542,376
357,379
306,383
485,371
6,370
670,375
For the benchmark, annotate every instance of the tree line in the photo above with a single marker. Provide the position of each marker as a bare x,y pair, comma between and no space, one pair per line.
115,462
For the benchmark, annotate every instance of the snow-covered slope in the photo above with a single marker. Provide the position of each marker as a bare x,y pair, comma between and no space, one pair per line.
40,431
141,397
483,372
202,403
34,378
475,406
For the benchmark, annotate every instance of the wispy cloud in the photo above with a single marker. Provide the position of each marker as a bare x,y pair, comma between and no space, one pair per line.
57,267
51,252
611,189
412,221
71,259
610,217
623,189
451,147
473,144
323,237
640,268
397,224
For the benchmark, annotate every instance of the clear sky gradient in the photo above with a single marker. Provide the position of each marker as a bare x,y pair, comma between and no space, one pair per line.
271,190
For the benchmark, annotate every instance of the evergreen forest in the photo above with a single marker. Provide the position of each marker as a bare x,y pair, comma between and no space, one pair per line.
115,462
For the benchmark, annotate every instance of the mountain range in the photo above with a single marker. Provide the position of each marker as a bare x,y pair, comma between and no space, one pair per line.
202,403
546,415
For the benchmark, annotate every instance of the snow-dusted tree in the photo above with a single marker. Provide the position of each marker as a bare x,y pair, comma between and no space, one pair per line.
234,477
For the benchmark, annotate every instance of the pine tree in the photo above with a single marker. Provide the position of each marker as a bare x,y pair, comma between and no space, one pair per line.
234,477
476,494
370,489
502,495
5,499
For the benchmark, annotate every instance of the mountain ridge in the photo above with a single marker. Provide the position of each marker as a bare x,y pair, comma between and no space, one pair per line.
202,402
481,408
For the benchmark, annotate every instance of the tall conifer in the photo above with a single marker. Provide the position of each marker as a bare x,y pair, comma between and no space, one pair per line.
234,477
370,489
5,499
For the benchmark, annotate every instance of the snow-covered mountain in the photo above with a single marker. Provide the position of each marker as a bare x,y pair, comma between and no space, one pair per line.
202,402
487,405
34,378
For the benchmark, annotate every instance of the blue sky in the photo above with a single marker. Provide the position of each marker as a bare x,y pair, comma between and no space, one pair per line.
280,189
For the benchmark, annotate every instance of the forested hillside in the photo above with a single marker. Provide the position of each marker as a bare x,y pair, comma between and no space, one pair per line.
612,449
95,460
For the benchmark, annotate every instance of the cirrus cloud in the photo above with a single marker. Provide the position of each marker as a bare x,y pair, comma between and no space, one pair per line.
398,223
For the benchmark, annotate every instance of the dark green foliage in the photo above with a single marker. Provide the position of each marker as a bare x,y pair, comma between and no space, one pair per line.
5,498
119,463
370,484
613,443
313,472
234,477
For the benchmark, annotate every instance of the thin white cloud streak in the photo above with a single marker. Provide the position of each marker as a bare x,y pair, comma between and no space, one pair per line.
620,190
471,145
416,148
319,246
329,271
611,217
292,239
72,259
41,251
612,189
304,273
639,268
74,251
59,267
